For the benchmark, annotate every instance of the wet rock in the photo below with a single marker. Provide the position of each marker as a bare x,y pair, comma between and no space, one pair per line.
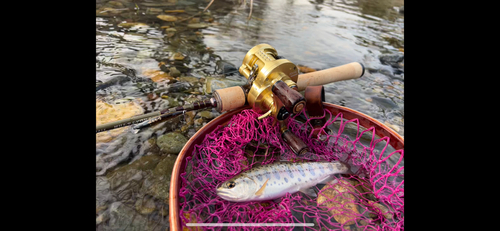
192,219
150,146
107,11
115,4
106,113
102,218
215,83
154,11
189,79
392,126
178,56
174,72
197,25
179,87
126,181
207,114
386,71
379,208
341,201
171,30
224,67
171,143
123,217
168,18
158,185
194,20
363,187
175,11
103,193
131,24
198,122
145,205
158,76
392,60
172,102
384,103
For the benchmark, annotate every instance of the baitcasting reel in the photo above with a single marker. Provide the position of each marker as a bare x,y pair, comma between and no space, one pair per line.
274,83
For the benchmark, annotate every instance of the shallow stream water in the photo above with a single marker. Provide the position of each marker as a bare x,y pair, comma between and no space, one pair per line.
191,48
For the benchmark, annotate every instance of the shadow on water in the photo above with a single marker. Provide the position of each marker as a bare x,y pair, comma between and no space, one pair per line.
164,53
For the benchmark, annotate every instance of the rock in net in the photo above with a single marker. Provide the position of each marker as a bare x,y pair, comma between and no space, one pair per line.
372,198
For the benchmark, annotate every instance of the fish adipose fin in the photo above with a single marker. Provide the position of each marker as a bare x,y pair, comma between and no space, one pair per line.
261,190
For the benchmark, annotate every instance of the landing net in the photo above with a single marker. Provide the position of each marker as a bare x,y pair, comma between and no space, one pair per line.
370,199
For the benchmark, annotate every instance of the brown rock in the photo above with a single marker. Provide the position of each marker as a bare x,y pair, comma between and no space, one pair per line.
194,20
131,24
106,113
178,56
379,208
340,202
168,18
158,76
175,11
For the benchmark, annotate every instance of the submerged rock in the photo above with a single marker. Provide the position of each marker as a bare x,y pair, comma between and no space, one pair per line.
107,113
384,103
224,67
171,143
145,205
392,60
174,72
167,18
197,25
131,24
215,83
158,185
340,202
158,76
124,217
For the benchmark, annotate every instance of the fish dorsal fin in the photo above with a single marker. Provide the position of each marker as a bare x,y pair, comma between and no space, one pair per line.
261,190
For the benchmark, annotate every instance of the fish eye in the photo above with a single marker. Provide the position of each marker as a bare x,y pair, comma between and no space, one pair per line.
231,184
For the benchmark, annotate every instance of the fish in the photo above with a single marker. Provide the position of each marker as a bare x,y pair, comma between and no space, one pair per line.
272,181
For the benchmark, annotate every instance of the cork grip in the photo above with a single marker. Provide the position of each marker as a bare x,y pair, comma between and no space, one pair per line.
230,98
352,70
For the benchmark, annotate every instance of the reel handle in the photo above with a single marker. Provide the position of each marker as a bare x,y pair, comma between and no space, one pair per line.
352,70
292,100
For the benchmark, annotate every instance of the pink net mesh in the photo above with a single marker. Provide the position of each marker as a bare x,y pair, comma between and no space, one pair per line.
370,199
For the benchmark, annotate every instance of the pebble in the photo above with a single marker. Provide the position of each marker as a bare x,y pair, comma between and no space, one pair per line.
175,11
197,25
167,18
171,143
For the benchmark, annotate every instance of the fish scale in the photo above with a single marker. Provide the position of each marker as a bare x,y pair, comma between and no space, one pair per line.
278,178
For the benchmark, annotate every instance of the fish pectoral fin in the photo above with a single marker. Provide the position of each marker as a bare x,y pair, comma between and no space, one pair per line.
309,191
261,190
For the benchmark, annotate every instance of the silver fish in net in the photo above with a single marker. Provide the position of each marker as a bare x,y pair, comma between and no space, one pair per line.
272,181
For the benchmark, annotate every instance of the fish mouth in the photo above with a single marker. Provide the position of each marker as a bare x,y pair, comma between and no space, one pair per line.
226,195
222,193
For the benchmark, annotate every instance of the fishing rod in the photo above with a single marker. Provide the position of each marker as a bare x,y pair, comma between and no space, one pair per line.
272,89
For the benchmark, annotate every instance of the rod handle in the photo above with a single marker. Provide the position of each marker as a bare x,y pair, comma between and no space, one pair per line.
352,70
230,98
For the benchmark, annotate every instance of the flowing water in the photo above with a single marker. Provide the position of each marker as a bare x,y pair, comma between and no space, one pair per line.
136,47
